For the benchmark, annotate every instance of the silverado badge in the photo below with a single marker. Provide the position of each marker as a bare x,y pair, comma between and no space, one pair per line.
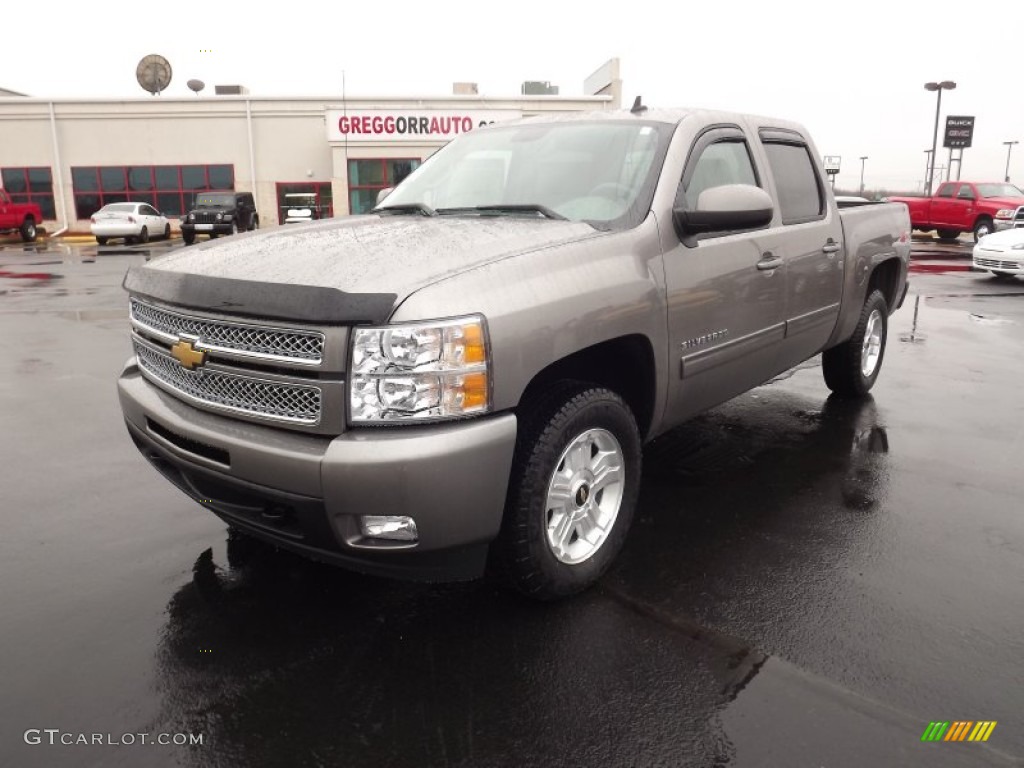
186,354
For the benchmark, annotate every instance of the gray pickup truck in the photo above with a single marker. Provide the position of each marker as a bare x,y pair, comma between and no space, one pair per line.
462,380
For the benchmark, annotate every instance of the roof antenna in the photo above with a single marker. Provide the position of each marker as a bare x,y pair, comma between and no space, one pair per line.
638,107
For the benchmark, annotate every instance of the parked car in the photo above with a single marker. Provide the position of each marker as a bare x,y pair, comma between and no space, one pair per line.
465,378
220,213
1001,253
967,206
131,221
300,207
22,218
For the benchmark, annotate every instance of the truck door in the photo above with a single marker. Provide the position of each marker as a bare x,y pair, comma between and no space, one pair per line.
725,289
964,208
810,243
6,219
944,206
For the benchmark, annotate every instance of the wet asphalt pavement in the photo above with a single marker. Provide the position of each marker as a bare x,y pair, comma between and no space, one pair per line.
809,582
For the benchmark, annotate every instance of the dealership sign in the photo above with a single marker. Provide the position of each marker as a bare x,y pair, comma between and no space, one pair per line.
959,131
410,125
831,163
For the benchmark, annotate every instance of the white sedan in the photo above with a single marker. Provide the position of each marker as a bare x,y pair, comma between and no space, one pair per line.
132,221
1001,253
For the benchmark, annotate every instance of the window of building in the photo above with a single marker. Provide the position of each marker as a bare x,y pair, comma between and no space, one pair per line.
169,188
368,177
801,197
30,185
315,195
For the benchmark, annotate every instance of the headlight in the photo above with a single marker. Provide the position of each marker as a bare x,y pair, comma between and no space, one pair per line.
1017,247
1005,213
191,217
220,217
423,371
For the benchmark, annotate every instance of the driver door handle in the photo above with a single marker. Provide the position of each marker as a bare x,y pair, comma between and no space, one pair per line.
830,247
769,261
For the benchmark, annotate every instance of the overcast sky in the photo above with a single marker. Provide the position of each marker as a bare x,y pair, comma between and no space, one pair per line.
853,72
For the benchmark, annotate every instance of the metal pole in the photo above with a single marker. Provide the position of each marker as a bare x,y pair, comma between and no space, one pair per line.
935,138
862,175
927,167
959,162
1009,148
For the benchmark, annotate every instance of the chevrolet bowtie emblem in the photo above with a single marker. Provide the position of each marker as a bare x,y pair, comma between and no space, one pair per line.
187,355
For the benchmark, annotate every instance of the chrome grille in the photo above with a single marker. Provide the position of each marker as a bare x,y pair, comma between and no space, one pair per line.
292,403
997,264
276,344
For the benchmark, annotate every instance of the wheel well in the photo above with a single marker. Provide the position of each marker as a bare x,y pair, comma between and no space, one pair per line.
624,365
983,217
885,278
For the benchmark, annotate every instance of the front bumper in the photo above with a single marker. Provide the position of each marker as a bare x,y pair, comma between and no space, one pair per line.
1006,262
306,492
1002,224
218,228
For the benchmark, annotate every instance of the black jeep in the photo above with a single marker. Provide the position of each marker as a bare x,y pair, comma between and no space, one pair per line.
220,213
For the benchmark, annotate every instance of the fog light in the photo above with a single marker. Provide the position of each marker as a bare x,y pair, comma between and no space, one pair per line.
393,527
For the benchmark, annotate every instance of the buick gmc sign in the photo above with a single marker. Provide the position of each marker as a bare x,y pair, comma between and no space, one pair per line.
959,131
409,125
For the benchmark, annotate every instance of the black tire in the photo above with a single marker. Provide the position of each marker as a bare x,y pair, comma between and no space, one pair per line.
843,365
982,227
101,241
254,223
948,234
1003,276
28,231
570,414
188,237
234,227
129,240
167,232
144,235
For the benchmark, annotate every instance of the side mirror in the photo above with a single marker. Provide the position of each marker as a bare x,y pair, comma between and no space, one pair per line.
724,209
383,194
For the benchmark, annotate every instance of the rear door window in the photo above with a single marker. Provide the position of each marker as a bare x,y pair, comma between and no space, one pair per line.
801,197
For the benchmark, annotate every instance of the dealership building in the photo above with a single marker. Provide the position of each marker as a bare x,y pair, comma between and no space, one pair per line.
72,156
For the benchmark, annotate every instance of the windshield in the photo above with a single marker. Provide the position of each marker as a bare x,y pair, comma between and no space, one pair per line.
602,172
999,190
215,200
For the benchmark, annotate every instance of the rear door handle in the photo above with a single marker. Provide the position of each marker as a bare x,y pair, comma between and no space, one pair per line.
769,261
830,248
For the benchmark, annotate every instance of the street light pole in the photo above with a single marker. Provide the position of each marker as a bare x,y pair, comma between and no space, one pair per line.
1009,148
862,175
927,168
945,85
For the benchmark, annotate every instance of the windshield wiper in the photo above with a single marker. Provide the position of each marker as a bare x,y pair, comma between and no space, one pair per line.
420,208
543,210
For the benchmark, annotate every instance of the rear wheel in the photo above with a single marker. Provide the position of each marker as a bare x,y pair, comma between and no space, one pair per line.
144,235
852,367
167,232
28,230
101,240
572,492
948,234
254,223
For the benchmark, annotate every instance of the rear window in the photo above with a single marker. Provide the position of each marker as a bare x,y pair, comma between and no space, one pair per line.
800,195
119,208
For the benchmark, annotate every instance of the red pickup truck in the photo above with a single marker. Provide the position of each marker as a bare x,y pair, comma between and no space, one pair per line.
966,206
19,217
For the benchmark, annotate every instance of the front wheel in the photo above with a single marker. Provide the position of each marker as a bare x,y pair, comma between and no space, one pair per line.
852,367
101,241
254,223
188,237
982,227
167,232
144,235
1003,276
572,492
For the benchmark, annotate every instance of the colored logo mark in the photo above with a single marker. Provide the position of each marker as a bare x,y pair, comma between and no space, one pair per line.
959,730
